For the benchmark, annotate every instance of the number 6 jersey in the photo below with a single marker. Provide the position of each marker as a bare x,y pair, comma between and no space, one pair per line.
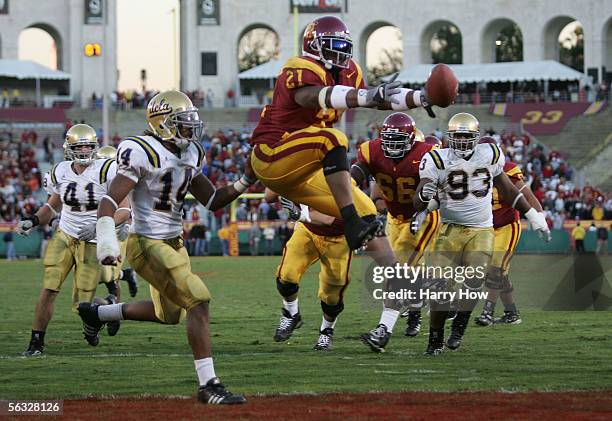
80,193
162,181
465,187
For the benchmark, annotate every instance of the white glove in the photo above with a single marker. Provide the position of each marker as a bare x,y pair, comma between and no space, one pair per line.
538,222
428,191
417,221
122,231
87,233
108,246
24,227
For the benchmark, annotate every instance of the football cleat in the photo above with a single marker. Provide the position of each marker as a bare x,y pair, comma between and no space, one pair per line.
112,327
485,319
91,323
130,277
357,235
35,349
413,323
509,318
376,338
287,325
435,345
457,331
324,343
214,393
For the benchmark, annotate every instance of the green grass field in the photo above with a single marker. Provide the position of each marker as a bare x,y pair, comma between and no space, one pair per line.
549,351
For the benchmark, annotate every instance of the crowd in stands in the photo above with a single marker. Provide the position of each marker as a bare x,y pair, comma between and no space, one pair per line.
125,100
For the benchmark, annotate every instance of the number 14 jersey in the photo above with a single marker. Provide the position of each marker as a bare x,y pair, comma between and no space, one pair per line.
465,187
162,181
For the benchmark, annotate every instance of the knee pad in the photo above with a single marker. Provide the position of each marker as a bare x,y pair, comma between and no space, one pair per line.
332,310
494,279
507,286
286,289
335,161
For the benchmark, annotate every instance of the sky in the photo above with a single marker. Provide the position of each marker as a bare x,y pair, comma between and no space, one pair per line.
150,44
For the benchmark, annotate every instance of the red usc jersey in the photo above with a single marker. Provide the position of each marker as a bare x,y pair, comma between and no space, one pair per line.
503,213
285,115
397,179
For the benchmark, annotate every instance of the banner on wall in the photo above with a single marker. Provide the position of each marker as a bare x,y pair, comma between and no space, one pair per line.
318,6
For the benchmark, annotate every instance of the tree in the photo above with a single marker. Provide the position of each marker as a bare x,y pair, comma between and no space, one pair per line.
256,47
446,45
571,49
509,44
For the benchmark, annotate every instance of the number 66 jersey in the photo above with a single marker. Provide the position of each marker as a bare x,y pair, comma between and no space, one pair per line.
162,181
465,187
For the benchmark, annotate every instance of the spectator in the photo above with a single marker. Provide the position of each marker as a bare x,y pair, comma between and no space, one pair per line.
602,239
592,227
598,212
269,233
558,220
10,246
224,236
284,233
254,238
210,95
16,100
578,235
6,98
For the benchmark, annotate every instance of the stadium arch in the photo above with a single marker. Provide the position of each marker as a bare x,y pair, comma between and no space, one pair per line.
364,46
490,35
55,36
552,30
607,50
427,35
255,27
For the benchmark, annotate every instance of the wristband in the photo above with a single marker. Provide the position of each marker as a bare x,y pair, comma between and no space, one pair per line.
362,97
110,199
516,199
51,208
322,97
337,99
416,98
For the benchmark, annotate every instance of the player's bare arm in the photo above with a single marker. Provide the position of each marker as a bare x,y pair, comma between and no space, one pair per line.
528,194
424,193
43,216
377,197
360,172
321,219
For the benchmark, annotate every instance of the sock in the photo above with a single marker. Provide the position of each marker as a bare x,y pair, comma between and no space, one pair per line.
462,317
111,312
38,336
205,370
436,335
489,306
326,324
349,213
388,318
291,307
510,308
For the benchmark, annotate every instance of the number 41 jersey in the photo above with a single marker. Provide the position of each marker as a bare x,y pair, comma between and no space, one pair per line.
80,193
465,187
162,181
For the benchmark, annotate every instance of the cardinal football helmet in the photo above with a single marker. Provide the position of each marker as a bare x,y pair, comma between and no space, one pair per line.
397,135
173,118
81,144
328,40
463,134
433,141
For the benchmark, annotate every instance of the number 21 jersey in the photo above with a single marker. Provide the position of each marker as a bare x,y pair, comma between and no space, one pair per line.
465,187
162,181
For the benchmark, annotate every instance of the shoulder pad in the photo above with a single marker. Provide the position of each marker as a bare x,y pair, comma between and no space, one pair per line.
152,154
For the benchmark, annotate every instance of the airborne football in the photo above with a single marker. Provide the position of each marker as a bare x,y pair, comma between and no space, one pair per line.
306,209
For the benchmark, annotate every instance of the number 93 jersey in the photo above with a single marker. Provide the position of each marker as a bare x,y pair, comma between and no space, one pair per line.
465,187
80,193
162,181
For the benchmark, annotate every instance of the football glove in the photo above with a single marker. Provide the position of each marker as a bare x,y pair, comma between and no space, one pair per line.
538,222
107,250
417,221
122,231
426,105
87,232
24,227
296,213
427,192
383,92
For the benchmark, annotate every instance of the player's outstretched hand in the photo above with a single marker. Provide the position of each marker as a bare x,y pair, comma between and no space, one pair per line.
382,93
24,227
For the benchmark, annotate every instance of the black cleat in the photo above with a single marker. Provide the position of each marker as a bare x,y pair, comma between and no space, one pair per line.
214,393
112,327
413,324
357,235
130,277
457,331
35,349
435,346
324,343
112,288
485,319
377,338
509,318
287,325
91,323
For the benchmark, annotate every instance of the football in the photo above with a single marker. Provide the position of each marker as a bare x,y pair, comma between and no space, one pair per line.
442,86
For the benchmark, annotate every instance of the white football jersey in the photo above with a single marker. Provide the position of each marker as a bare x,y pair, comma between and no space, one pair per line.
162,181
80,193
465,187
